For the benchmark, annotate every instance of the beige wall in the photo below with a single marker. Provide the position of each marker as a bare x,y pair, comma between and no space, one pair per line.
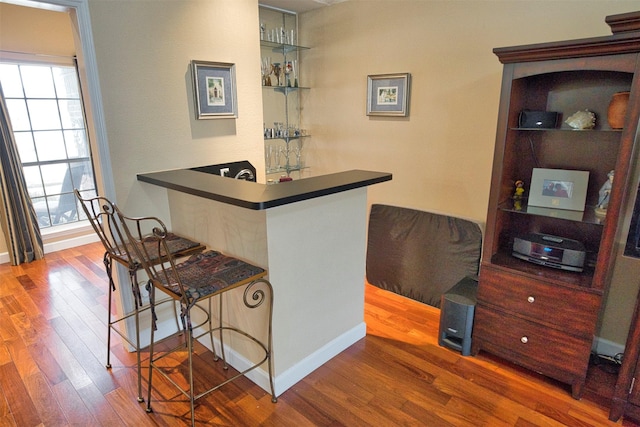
440,156
143,51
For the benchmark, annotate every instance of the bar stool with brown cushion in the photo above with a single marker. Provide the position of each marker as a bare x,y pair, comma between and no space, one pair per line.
101,214
197,280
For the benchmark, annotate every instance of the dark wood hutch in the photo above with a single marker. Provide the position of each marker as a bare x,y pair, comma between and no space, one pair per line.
536,316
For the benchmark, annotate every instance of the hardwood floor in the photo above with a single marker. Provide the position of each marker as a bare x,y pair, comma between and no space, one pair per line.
52,355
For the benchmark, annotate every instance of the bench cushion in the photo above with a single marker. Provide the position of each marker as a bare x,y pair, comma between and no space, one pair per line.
419,254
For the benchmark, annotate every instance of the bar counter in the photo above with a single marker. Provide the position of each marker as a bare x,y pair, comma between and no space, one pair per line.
259,196
310,234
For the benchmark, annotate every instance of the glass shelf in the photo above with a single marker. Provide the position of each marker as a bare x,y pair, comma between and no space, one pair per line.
587,216
286,170
285,89
280,57
275,138
281,48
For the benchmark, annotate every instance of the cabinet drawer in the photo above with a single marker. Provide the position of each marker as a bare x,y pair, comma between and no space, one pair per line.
532,345
566,309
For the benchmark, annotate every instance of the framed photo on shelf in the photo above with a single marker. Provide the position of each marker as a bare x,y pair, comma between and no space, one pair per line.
388,94
558,189
214,85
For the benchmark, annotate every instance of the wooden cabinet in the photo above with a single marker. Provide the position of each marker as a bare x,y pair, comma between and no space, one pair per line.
537,316
539,324
626,395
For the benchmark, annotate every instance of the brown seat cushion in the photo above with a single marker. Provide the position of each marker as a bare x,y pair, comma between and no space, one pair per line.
208,273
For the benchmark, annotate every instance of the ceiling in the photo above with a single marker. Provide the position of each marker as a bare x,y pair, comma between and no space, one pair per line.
299,6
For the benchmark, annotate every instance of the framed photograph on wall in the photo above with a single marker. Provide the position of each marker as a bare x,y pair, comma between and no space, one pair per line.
388,94
559,189
214,85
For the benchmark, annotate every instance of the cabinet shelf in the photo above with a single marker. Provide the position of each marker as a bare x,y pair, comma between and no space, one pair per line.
564,130
587,216
509,263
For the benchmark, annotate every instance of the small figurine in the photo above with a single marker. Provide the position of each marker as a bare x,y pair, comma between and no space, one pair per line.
603,195
517,195
519,190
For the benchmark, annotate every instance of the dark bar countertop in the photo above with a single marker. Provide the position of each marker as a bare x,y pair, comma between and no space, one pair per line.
252,195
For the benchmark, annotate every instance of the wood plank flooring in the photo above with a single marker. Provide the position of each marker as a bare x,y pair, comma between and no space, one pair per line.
52,356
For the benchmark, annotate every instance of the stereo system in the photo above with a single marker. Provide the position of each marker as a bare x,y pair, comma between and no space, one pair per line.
550,251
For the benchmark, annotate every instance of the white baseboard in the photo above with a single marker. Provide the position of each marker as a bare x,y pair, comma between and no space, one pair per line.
260,376
285,380
606,347
291,376
72,242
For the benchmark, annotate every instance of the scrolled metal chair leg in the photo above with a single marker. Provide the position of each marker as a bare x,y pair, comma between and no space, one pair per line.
152,292
112,286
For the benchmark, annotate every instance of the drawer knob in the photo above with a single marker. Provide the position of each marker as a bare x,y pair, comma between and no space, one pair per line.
524,340
531,299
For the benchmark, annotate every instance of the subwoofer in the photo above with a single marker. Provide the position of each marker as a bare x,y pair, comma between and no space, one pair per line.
457,308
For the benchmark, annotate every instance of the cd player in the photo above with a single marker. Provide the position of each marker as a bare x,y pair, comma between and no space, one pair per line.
551,251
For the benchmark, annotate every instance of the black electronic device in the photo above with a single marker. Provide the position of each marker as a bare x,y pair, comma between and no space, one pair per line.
457,308
551,251
239,170
538,119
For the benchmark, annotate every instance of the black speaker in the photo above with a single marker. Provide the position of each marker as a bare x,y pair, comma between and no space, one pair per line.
538,119
457,308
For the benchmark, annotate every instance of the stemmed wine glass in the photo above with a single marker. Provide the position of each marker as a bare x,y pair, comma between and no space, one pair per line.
297,150
268,154
276,156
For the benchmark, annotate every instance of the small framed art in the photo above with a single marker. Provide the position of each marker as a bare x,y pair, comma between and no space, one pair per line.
559,189
214,84
388,94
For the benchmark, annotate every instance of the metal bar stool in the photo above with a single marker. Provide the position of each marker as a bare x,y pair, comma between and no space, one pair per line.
198,279
101,214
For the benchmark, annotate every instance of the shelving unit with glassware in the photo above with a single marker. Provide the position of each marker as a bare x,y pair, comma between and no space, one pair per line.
282,93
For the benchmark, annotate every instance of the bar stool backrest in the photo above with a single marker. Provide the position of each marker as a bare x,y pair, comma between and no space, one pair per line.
148,237
101,213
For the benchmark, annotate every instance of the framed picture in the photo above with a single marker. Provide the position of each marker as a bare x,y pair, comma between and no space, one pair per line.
558,189
214,84
388,95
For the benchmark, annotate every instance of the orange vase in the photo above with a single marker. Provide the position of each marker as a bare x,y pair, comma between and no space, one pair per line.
617,110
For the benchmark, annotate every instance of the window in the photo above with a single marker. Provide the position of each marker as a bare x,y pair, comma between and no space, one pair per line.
47,115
